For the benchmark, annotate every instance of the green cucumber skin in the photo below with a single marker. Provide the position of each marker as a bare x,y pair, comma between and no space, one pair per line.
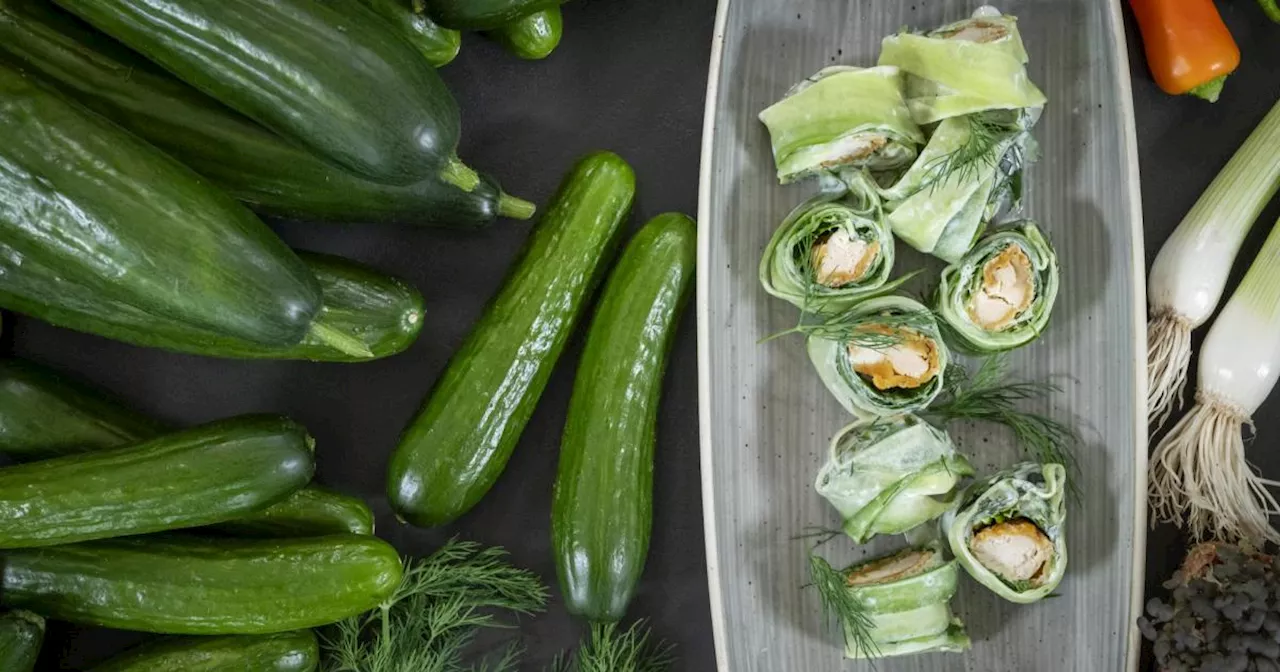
21,634
243,158
533,37
484,14
456,447
321,73
282,652
245,586
44,414
602,507
437,44
139,237
209,474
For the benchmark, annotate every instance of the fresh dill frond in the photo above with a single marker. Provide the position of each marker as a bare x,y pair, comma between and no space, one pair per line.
978,152
875,331
822,535
610,649
841,605
431,619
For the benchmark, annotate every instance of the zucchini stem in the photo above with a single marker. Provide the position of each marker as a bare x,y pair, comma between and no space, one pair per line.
515,208
460,175
337,340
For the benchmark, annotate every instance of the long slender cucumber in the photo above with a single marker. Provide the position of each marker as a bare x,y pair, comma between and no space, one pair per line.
456,447
21,634
192,586
295,651
603,502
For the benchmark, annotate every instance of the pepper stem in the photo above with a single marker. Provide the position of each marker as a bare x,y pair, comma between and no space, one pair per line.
515,208
1210,90
460,175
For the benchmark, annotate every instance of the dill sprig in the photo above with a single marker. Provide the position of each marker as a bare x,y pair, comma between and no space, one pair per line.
610,649
841,605
986,396
434,615
876,331
977,153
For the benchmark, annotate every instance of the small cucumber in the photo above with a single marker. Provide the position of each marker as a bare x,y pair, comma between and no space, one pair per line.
484,14
283,652
200,476
44,414
603,502
459,443
190,586
437,44
21,633
533,37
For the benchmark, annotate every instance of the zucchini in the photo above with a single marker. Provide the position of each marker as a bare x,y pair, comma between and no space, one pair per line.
484,14
295,651
602,508
459,443
44,415
191,586
237,154
437,44
200,476
21,634
321,74
533,37
98,227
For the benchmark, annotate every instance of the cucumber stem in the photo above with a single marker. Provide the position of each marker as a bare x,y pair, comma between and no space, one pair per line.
348,345
460,175
515,208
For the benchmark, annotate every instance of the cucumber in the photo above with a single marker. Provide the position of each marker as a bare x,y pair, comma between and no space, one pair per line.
484,14
321,74
192,586
459,443
602,508
533,37
200,476
283,652
437,44
44,415
21,633
98,227
237,154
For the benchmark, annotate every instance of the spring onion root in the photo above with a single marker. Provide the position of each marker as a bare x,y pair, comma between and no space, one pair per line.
1168,357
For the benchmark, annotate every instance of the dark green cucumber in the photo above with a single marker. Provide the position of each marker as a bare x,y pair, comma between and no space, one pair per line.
603,502
459,443
209,474
295,651
484,14
533,37
322,74
437,44
192,586
236,153
21,633
98,226
44,414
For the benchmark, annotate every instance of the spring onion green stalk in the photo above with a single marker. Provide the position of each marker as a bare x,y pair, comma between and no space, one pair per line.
1001,294
883,357
1198,473
896,605
842,117
889,475
1008,531
968,174
831,252
969,66
1190,272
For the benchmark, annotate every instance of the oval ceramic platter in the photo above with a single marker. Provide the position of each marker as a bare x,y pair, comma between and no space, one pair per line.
767,419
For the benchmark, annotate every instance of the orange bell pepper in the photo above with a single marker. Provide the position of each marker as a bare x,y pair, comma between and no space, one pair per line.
1189,48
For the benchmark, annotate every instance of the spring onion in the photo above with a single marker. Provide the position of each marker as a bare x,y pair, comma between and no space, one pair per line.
1001,294
1190,272
882,357
842,117
888,475
831,252
895,605
969,66
1198,472
1008,531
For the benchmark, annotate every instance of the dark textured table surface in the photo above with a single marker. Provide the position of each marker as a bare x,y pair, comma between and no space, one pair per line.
630,76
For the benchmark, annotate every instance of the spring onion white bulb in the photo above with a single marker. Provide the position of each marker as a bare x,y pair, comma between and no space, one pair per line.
1198,472
1190,272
